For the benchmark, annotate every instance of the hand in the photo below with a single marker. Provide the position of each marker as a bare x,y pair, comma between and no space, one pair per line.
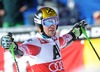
77,28
6,41
83,23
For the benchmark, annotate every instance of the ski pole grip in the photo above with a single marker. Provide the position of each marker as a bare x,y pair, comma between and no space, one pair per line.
9,34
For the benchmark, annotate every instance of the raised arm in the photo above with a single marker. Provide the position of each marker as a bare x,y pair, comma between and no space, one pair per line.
73,34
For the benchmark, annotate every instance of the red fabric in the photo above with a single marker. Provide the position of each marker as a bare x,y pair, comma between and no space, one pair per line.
56,66
72,56
1,58
15,68
32,49
61,41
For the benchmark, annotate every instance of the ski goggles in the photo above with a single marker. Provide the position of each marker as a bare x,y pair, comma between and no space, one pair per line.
50,21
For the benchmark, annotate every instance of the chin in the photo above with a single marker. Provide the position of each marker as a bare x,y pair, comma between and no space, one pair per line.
53,34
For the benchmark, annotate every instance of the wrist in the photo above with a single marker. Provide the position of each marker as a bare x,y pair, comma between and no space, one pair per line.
73,35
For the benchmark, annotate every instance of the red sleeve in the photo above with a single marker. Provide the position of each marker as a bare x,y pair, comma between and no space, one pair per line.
64,40
30,49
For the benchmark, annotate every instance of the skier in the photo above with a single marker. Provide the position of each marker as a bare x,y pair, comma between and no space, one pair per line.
45,48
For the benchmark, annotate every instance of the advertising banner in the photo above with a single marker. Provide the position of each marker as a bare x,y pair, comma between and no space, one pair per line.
76,57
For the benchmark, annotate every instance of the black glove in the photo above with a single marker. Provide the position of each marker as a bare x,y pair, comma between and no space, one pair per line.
76,30
83,23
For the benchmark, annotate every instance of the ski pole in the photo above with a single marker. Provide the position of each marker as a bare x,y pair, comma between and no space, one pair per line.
84,32
13,54
12,51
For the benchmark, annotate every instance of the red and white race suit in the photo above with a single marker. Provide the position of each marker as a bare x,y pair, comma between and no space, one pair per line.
45,52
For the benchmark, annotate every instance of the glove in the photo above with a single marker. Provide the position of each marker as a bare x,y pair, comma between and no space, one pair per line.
83,24
6,41
77,29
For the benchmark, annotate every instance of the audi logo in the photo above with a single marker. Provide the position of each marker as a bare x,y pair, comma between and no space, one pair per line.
56,66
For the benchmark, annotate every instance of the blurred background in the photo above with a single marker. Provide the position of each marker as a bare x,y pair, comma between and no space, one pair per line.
16,16
15,13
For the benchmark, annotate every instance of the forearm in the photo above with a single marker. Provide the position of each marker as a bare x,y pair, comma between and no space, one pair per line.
17,51
73,36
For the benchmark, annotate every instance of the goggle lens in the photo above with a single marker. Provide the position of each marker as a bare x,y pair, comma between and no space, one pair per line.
49,21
